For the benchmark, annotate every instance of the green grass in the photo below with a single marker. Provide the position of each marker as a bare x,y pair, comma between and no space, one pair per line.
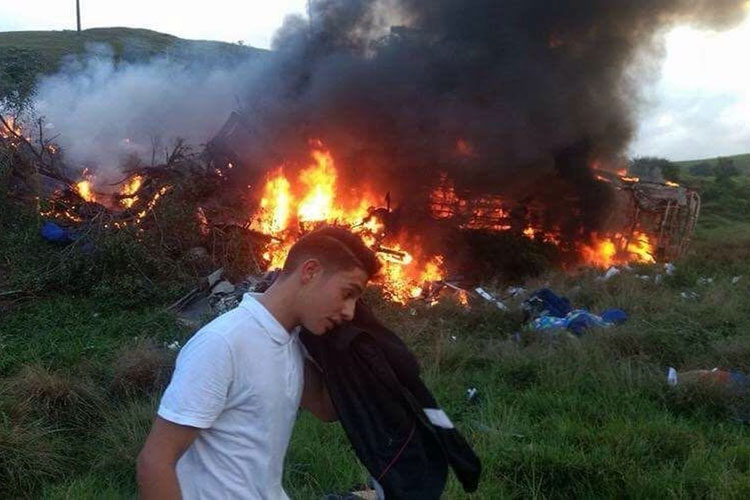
742,162
557,416
26,54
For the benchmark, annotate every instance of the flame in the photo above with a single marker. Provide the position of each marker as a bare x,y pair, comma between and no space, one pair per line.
290,206
152,203
320,181
13,128
129,190
600,253
630,179
641,248
276,202
618,250
84,189
672,184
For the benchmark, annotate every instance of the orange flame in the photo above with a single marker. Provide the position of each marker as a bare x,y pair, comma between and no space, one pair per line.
288,205
320,181
129,190
640,248
618,250
13,128
84,189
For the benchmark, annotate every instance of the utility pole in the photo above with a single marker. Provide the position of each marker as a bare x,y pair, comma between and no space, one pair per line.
78,14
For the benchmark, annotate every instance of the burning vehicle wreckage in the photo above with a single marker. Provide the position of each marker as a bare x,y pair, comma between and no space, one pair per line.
421,237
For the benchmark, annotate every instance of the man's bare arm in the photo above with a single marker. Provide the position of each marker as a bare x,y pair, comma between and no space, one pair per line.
165,444
315,397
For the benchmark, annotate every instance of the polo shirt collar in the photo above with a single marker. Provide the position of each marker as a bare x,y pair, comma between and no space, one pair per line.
263,316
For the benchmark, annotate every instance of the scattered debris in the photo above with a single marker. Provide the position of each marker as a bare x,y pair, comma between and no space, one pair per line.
689,295
489,298
544,310
672,376
669,268
515,291
734,380
472,394
705,281
736,280
54,233
612,271
174,346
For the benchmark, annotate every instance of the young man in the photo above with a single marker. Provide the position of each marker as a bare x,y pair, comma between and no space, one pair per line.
225,420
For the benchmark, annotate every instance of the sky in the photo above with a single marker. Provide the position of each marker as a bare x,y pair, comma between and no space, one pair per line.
699,107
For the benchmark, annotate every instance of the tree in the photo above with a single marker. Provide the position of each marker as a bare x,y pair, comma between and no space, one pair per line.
654,169
702,169
725,169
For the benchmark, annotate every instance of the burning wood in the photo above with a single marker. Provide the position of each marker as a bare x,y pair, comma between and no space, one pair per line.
293,199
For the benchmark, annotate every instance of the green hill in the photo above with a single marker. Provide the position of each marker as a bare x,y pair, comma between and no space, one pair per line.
26,54
742,162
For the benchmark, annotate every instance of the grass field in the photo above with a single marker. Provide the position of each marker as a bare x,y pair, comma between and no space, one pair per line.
82,364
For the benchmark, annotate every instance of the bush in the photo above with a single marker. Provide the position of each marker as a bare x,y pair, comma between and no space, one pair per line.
58,399
31,454
702,169
143,368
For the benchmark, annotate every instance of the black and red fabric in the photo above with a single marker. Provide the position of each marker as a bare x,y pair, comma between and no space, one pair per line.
392,420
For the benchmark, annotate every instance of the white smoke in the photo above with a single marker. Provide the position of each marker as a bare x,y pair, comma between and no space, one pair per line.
102,111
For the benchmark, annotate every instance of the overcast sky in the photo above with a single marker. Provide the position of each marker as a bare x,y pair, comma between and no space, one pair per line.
700,107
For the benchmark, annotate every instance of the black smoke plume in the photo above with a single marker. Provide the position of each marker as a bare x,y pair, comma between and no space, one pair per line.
518,98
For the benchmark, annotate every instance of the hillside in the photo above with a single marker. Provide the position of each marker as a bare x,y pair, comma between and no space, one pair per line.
26,54
742,162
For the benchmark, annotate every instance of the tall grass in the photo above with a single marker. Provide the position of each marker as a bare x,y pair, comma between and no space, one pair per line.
557,416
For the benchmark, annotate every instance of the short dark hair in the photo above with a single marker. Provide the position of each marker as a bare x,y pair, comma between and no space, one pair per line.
336,248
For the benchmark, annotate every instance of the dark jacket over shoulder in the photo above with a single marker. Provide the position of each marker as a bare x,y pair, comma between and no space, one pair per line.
397,430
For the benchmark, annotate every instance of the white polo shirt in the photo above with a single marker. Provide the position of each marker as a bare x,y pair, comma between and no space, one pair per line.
239,379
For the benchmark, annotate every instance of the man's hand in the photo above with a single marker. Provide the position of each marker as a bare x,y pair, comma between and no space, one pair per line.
165,444
315,397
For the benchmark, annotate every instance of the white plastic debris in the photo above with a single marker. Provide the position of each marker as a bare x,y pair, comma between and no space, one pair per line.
453,338
672,376
705,281
222,287
669,268
515,291
612,271
488,297
471,393
736,280
643,277
689,295
174,346
657,279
